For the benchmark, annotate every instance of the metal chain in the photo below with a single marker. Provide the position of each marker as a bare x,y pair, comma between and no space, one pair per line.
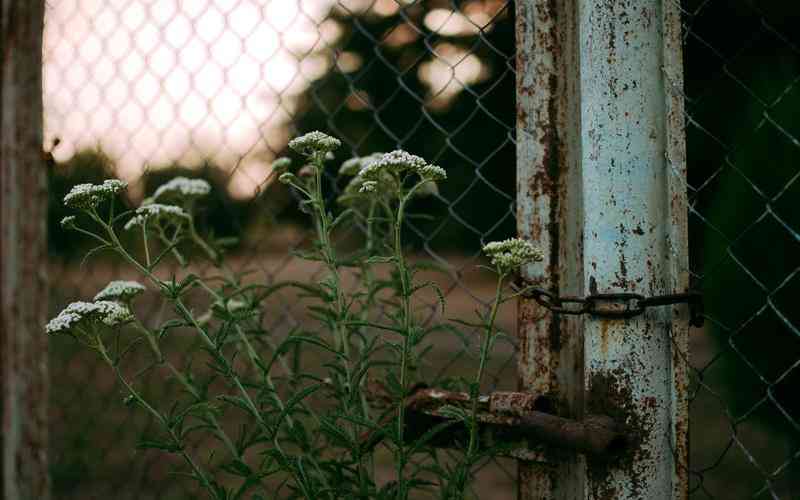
611,305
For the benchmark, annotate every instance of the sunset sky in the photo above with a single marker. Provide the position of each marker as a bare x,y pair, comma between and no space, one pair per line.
154,81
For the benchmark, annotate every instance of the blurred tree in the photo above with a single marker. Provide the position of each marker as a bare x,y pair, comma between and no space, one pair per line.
435,78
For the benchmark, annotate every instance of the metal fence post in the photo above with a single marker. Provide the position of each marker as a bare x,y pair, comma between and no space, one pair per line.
601,187
23,207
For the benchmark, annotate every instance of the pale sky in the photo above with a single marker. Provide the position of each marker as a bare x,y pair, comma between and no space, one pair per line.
154,81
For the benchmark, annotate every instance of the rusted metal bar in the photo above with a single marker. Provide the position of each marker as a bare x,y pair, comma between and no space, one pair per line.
23,297
601,187
515,421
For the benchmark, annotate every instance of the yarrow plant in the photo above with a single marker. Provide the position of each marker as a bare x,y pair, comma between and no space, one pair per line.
252,418
182,188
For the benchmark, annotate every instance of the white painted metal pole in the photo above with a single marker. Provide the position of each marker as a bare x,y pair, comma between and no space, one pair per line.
606,130
634,238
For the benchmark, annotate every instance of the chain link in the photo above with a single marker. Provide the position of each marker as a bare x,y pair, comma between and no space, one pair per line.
611,305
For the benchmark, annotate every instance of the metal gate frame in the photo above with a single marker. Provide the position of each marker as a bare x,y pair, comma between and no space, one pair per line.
602,189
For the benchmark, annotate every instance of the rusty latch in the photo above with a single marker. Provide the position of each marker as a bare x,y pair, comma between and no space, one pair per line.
518,424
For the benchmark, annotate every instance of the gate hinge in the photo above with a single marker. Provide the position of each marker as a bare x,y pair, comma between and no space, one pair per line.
518,424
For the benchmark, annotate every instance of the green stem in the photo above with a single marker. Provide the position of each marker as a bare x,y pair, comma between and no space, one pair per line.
258,365
204,337
407,325
146,246
465,467
212,254
218,430
484,357
201,476
340,332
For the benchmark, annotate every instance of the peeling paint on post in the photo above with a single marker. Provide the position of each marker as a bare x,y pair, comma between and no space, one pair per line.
23,205
634,237
601,187
549,214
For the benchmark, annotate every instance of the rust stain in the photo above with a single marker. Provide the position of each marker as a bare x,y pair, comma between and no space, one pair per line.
610,394
604,325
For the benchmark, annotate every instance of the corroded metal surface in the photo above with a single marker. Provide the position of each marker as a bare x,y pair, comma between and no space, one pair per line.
632,240
517,422
548,147
601,187
23,206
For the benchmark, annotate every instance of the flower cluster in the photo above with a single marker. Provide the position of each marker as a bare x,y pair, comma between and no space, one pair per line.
397,161
314,142
377,173
182,188
507,255
432,172
86,196
107,312
120,290
358,184
156,212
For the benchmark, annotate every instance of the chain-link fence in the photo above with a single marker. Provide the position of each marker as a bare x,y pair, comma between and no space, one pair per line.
742,69
145,90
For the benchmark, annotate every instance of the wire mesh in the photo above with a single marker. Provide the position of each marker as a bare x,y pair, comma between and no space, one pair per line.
144,90
741,75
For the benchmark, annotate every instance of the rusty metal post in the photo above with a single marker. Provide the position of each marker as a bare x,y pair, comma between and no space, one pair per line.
23,257
601,187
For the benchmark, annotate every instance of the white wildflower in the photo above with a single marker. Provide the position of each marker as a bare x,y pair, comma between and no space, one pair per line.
432,172
113,313
397,161
314,142
120,290
62,323
512,253
156,212
86,196
182,188
68,222
382,182
355,165
106,312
